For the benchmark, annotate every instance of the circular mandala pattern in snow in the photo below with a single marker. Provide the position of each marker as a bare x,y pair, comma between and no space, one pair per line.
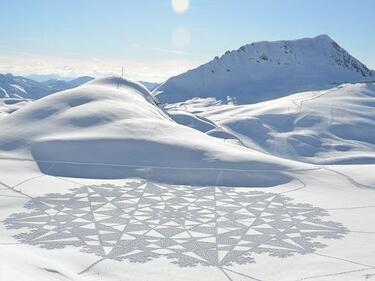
141,221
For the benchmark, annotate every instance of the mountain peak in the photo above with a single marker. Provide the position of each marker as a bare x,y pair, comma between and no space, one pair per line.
322,41
268,69
323,37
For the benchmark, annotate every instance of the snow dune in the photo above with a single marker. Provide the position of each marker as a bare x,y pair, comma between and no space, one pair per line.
112,128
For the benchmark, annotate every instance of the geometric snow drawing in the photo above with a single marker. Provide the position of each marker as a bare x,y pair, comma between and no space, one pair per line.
141,221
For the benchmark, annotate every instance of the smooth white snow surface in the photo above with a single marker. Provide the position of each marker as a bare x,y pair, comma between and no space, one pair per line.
268,70
99,183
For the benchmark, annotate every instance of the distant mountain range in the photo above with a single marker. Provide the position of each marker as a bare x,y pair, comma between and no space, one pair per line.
21,87
267,70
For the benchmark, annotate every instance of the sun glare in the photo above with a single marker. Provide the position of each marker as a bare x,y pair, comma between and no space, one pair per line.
180,6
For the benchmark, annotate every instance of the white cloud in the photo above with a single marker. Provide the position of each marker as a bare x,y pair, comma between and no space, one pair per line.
153,70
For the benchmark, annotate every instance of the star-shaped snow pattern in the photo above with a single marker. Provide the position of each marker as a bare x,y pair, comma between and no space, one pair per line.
141,221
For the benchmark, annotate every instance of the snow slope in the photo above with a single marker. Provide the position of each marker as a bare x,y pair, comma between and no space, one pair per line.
10,105
325,127
112,128
267,70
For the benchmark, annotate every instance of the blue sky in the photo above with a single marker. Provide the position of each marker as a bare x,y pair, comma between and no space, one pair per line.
152,41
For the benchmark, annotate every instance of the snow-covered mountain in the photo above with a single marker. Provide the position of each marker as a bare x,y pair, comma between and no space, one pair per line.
267,70
24,88
21,87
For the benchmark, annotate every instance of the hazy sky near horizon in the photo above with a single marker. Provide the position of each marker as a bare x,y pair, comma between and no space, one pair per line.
155,39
